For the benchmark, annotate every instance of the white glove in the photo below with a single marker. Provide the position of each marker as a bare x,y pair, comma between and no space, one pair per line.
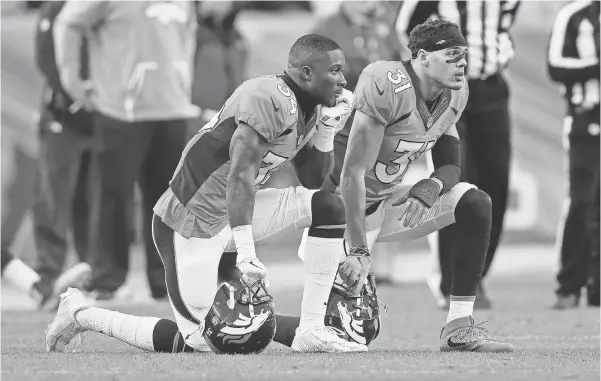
332,120
335,117
253,270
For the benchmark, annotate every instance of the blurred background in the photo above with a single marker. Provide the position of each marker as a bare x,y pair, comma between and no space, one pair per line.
538,176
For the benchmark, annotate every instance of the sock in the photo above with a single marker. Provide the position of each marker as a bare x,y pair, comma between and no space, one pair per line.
137,331
21,275
322,256
285,329
461,306
472,230
168,339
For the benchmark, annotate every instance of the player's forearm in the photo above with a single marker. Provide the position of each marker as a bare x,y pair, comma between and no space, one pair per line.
241,197
353,197
246,151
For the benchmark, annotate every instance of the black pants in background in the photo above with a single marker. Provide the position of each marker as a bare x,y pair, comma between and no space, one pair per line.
61,202
580,235
485,133
146,152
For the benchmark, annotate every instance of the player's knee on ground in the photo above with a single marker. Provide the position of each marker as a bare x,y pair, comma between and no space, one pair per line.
327,209
474,206
167,338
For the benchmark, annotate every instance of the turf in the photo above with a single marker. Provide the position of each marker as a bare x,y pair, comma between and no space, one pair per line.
551,346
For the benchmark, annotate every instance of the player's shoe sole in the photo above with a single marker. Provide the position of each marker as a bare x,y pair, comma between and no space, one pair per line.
64,328
463,335
323,340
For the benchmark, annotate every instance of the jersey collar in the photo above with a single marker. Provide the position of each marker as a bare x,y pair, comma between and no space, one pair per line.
442,103
305,101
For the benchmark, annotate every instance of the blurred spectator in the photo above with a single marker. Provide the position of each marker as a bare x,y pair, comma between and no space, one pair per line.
221,57
484,127
364,32
65,131
141,67
276,5
573,61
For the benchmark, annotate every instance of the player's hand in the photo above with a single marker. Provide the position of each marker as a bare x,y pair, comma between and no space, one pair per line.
253,270
354,271
418,201
336,117
413,211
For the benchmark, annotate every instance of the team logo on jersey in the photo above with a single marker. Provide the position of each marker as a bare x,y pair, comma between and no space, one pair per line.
430,121
353,327
166,12
240,331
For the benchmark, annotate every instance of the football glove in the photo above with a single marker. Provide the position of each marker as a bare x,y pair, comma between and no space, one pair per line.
336,117
356,272
253,270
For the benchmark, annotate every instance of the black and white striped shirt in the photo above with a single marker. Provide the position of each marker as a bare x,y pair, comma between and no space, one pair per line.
485,25
573,58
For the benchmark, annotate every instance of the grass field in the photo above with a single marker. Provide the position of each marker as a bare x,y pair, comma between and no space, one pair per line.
551,346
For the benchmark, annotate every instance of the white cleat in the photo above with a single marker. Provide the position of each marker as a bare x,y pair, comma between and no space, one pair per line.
324,339
76,276
64,327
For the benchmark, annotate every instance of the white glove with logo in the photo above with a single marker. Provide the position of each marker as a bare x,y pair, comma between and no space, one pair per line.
331,120
253,270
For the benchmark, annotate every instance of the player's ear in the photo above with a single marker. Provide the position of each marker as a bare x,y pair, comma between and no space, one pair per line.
423,57
306,72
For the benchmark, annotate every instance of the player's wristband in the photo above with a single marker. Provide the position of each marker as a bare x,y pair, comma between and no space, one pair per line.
323,139
426,191
245,243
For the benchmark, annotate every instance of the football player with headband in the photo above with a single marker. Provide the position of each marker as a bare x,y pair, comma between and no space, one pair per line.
404,109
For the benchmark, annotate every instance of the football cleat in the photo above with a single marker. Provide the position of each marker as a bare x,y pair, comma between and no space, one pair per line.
64,328
463,335
324,340
76,276
565,302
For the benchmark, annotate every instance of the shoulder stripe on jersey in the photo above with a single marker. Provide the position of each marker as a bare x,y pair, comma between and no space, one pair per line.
163,238
208,153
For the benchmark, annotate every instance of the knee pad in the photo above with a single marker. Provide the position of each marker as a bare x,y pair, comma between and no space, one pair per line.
474,205
327,209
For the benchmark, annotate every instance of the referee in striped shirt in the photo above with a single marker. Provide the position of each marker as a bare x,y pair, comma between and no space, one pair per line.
484,127
573,61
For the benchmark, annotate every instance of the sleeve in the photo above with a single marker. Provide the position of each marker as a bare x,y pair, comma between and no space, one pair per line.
84,15
375,97
44,44
264,112
505,42
70,26
566,64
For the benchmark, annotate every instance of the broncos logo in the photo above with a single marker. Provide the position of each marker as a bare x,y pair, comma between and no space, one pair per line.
240,331
353,327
